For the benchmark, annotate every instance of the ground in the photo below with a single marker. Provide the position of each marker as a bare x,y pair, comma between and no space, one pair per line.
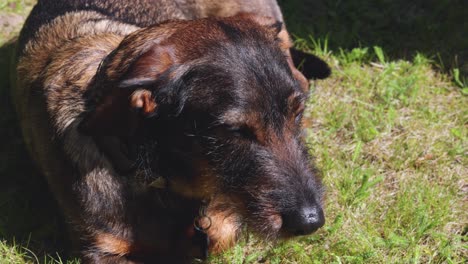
389,130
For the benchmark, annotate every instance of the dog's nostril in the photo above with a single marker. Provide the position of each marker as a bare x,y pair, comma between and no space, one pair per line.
312,219
311,214
304,221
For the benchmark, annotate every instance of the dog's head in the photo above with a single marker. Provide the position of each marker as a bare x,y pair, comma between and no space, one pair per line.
223,103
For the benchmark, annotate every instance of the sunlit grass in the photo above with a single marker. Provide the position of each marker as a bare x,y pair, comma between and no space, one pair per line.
13,253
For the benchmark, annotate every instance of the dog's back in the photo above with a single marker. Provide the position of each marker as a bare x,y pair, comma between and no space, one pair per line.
60,49
55,67
144,13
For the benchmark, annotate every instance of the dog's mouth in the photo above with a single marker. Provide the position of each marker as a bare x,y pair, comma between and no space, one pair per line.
272,222
275,226
266,223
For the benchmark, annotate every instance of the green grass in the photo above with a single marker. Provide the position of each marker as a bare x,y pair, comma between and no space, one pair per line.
389,131
19,254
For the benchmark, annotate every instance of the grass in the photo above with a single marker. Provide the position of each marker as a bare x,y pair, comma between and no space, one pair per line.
389,131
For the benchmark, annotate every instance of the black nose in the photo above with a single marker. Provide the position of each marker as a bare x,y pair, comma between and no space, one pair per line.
303,221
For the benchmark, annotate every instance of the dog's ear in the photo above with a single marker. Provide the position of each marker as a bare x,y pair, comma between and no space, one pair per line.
310,65
132,98
303,66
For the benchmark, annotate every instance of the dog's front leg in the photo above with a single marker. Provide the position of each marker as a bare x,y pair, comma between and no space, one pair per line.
100,258
222,224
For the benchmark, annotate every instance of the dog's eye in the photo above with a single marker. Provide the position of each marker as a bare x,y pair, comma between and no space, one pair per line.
298,117
241,131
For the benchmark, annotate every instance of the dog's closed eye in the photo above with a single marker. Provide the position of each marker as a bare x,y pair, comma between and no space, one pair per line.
242,132
298,117
235,131
296,106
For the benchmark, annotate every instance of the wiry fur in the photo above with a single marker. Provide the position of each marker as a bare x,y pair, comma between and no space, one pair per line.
212,106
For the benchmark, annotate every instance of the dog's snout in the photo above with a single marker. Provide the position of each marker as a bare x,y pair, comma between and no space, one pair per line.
305,220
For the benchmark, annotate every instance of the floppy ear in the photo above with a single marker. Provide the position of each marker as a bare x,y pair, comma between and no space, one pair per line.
130,100
310,66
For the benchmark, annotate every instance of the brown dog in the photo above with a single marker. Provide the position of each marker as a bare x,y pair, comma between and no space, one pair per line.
117,98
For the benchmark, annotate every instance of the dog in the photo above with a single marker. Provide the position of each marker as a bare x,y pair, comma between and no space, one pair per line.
164,128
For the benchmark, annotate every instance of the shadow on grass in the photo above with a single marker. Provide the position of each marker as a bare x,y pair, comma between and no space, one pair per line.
28,213
436,28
